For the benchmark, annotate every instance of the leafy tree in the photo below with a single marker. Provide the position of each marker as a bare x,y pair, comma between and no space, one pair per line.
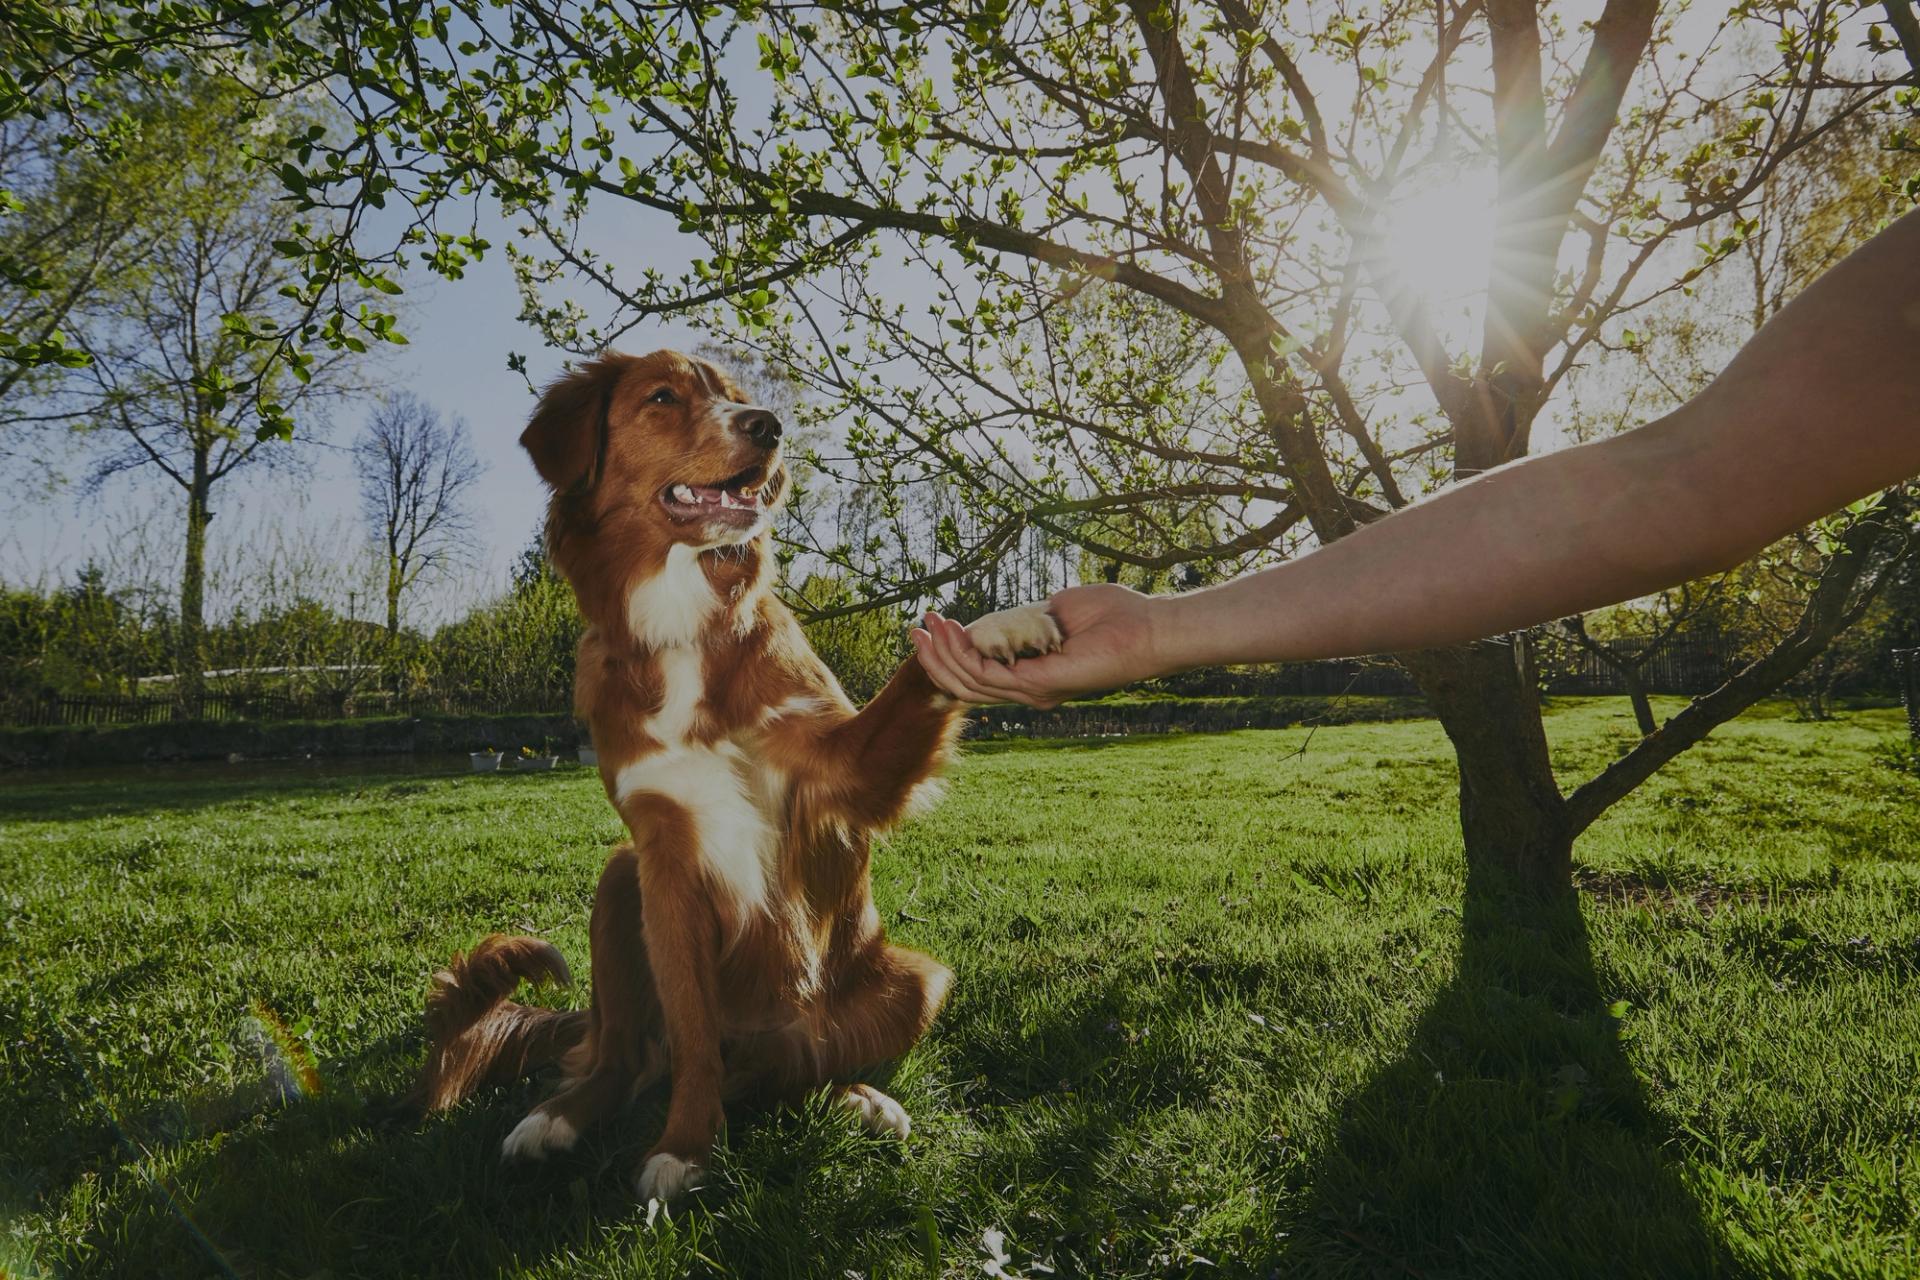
1629,639
174,385
67,226
863,647
416,471
905,203
514,653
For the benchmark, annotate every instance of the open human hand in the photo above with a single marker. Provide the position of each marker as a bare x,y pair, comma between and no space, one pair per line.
1109,639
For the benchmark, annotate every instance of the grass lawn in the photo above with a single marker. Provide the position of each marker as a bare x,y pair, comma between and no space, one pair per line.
1222,1009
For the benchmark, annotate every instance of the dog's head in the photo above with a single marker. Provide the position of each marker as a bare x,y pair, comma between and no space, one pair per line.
661,447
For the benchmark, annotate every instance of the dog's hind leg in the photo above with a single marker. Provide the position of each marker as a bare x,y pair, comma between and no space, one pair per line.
878,1021
620,1054
880,1010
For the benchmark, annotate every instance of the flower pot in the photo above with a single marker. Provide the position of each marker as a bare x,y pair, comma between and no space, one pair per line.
588,756
486,761
530,764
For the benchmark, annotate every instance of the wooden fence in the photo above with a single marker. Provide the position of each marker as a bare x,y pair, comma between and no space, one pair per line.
1682,667
104,709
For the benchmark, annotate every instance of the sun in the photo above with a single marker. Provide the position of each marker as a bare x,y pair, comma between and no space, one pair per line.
1437,234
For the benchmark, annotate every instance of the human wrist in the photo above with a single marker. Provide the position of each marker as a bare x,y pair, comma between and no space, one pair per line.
1173,640
1230,623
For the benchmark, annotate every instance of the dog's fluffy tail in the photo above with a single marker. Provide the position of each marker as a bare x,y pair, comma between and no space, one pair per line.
476,1036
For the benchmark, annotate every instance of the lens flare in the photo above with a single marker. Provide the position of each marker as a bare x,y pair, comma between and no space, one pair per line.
1436,235
291,1070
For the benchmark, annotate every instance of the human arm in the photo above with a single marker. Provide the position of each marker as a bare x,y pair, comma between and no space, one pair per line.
1819,408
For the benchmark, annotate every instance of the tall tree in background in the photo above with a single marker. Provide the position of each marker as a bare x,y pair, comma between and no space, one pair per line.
417,471
173,386
1216,178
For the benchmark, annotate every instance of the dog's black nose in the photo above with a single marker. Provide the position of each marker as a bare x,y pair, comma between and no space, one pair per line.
761,427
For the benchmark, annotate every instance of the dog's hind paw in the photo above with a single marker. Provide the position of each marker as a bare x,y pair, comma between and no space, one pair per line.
1015,633
538,1134
876,1111
666,1176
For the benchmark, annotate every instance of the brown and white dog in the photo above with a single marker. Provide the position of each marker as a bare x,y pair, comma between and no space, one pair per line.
735,945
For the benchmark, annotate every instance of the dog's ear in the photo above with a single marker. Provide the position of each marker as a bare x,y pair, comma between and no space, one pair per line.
567,435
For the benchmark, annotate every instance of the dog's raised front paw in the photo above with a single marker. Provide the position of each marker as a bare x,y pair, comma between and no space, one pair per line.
666,1176
538,1134
876,1111
1015,633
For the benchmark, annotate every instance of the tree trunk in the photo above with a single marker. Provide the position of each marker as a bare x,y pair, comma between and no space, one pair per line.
1642,706
393,596
1512,815
190,657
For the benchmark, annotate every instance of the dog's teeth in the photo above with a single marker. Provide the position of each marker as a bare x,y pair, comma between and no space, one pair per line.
682,493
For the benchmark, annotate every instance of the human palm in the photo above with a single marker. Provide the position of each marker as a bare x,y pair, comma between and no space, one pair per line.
1108,642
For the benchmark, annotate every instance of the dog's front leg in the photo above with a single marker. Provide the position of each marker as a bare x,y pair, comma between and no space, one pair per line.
871,762
902,737
682,935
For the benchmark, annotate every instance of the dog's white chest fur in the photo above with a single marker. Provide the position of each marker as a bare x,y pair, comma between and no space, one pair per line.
735,803
669,609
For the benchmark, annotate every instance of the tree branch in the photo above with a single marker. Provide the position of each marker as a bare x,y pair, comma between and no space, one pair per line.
1832,607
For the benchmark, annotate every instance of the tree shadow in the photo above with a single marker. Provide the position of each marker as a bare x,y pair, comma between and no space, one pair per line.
131,791
1511,1136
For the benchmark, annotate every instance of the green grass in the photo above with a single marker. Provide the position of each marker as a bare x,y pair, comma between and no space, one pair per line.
1217,1000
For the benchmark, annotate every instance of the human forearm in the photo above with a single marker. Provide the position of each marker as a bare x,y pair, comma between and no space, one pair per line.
1534,540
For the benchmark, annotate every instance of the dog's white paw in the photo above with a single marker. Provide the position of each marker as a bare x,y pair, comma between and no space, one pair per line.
666,1176
876,1111
1015,633
538,1134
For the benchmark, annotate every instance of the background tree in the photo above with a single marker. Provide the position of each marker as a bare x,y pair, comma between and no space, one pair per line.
416,473
1630,639
174,387
515,652
1272,355
89,636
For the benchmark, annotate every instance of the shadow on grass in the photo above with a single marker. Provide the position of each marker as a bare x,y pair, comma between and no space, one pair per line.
130,791
1511,1137
332,1183
324,1185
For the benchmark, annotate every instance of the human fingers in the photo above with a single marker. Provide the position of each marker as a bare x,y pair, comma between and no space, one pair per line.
942,664
1006,683
942,672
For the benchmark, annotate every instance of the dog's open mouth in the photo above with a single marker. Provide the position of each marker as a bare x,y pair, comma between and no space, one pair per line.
739,499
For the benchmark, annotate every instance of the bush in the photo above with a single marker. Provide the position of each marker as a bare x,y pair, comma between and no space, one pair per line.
516,653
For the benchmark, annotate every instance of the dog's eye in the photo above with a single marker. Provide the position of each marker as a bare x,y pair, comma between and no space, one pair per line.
663,396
